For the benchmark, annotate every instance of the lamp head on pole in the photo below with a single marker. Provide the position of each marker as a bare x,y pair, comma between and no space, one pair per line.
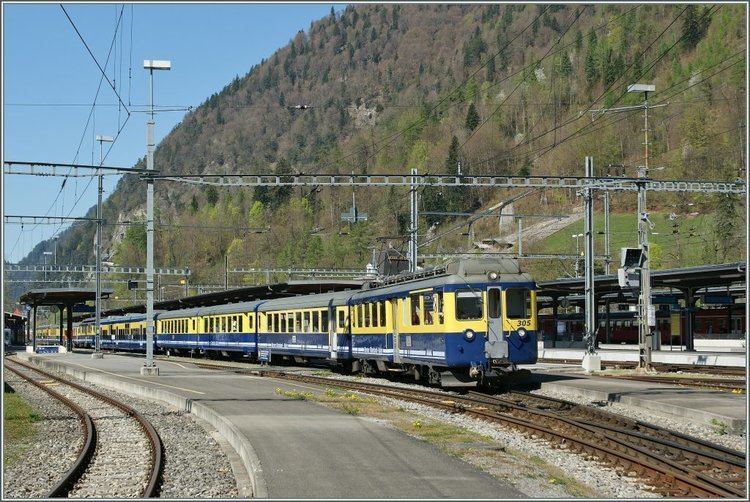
641,88
156,64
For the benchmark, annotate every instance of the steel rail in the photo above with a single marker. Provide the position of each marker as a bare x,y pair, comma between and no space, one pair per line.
88,447
719,451
157,448
695,456
669,476
713,383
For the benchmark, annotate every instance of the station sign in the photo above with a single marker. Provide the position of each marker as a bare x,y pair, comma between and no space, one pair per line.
717,300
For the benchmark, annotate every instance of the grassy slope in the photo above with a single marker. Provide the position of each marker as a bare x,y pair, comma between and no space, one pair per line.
684,248
19,429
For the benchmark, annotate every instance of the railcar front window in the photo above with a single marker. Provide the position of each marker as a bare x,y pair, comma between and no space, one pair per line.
518,303
469,305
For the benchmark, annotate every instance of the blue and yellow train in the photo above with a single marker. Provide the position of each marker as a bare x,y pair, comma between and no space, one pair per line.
470,323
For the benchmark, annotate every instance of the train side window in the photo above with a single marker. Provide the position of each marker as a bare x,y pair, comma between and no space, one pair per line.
368,315
493,303
439,307
316,321
518,303
324,321
469,305
414,308
382,313
342,319
306,327
428,301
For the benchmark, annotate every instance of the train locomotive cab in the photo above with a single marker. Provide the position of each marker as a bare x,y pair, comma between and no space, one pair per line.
492,307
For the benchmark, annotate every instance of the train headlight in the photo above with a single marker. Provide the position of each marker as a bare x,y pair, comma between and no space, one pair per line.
521,332
492,276
469,335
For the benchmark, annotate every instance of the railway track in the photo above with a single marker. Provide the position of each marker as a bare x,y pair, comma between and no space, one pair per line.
674,464
663,367
728,385
122,454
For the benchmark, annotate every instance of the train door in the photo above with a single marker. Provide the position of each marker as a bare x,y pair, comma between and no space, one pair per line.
496,347
333,341
396,337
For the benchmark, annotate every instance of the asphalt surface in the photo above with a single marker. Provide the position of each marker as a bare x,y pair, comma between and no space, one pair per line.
307,450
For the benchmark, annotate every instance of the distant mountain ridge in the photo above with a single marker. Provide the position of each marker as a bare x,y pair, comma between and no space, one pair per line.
498,88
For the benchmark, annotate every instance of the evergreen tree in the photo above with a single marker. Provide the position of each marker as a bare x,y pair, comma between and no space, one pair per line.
726,221
525,167
694,26
472,118
590,67
212,196
490,69
193,205
579,40
565,67
454,197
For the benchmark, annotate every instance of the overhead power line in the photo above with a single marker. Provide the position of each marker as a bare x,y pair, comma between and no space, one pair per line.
104,74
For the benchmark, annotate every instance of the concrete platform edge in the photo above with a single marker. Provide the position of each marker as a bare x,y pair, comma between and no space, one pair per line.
734,425
233,436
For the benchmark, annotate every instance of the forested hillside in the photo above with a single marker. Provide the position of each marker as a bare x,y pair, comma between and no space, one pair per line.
500,89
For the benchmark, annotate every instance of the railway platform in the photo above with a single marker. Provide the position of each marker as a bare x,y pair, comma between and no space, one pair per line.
702,405
292,448
630,353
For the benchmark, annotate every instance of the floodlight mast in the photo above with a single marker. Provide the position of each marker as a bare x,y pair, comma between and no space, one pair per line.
97,354
646,315
149,368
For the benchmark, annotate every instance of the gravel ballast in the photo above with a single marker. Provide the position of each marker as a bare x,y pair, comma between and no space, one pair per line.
195,466
52,450
684,426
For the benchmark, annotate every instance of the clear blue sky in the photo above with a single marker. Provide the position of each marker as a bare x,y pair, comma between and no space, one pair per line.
44,62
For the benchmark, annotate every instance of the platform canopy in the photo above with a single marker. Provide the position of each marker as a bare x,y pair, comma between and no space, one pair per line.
693,278
61,296
246,294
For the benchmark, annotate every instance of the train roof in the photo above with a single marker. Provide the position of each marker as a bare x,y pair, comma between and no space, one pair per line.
337,299
228,308
462,272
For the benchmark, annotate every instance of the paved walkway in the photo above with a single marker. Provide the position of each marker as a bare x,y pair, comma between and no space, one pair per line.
307,450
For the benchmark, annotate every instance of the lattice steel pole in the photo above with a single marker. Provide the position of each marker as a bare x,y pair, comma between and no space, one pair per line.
588,198
413,222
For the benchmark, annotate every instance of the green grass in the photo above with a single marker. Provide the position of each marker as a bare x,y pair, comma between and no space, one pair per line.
669,249
19,420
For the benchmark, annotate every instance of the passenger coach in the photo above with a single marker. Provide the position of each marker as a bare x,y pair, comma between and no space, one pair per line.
470,322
